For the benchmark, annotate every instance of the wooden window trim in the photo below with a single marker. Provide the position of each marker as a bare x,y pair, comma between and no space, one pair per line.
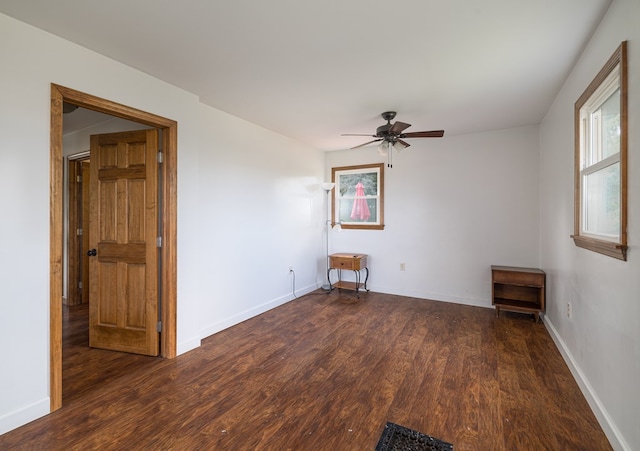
612,249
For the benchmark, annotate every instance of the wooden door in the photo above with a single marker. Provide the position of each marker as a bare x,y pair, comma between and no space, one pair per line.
84,258
75,236
123,268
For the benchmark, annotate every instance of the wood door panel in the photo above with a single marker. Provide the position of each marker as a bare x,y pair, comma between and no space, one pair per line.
125,227
108,195
108,155
136,311
137,154
136,227
128,253
105,312
128,340
129,309
121,173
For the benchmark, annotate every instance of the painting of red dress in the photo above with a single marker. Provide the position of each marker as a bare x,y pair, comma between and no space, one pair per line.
360,210
358,196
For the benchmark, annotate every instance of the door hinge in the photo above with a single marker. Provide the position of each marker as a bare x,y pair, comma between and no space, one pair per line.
160,157
159,326
80,284
159,241
79,232
78,179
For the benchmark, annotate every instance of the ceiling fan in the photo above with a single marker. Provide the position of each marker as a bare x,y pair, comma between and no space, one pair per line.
391,136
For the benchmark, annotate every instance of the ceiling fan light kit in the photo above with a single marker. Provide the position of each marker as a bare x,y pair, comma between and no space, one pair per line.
391,136
68,108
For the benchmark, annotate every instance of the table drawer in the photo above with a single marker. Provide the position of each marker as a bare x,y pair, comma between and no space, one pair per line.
351,263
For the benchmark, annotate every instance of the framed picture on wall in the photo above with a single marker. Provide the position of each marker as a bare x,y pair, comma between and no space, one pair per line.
358,197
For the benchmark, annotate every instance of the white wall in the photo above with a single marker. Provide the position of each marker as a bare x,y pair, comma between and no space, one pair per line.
286,204
260,214
601,341
453,207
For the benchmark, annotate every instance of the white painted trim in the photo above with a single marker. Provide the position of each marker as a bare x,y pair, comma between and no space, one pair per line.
252,312
24,415
188,345
439,297
80,155
616,439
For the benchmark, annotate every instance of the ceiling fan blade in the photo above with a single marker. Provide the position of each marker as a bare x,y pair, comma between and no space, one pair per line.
398,127
358,134
430,134
404,143
365,144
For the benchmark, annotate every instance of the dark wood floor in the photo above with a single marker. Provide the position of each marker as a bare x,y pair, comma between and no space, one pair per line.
325,372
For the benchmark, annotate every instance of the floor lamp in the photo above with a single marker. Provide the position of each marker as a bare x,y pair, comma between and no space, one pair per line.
327,187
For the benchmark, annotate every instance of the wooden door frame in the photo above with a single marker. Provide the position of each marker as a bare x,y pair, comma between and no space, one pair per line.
74,215
168,259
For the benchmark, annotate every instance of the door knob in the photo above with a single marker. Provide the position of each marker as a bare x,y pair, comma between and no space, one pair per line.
92,253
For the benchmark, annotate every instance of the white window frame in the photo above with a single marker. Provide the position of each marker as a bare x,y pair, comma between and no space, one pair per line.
591,152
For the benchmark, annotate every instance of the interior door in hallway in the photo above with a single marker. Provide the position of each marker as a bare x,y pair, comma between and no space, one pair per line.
123,262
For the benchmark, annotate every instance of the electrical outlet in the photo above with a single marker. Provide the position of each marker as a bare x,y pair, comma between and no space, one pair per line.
569,310
290,268
402,267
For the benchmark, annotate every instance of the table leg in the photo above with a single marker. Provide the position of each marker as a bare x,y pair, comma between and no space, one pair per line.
366,277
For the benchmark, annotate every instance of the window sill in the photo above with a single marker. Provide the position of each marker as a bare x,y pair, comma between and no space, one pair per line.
615,250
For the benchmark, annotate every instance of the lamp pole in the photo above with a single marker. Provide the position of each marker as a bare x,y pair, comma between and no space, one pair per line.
327,187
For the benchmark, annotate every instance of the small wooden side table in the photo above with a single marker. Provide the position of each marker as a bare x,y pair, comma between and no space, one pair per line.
351,262
518,289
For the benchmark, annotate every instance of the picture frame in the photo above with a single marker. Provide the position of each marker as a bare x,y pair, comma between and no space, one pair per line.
358,197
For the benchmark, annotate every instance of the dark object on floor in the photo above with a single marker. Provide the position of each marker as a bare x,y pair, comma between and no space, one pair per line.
400,438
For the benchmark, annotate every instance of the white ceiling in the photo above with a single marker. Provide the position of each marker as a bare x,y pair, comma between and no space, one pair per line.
82,118
313,70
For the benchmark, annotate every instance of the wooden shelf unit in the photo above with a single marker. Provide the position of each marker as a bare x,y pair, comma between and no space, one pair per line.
351,262
518,289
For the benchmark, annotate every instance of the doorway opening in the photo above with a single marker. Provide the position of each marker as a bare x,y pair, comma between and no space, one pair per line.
77,275
168,199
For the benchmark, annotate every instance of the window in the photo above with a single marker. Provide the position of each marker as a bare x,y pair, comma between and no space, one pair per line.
358,197
601,161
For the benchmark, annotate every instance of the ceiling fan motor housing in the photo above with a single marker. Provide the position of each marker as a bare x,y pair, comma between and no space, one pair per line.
388,115
383,130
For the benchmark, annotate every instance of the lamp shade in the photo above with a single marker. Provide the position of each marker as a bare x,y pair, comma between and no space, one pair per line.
383,148
398,146
328,186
